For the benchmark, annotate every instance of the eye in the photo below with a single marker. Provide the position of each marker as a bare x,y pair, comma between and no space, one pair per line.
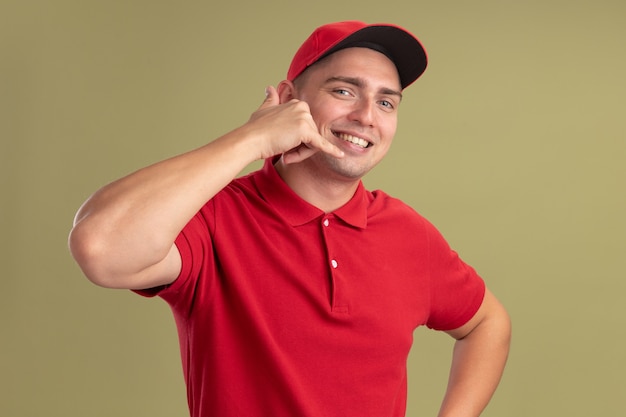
387,104
342,91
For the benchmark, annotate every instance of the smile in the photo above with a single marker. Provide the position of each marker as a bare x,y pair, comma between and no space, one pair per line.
353,139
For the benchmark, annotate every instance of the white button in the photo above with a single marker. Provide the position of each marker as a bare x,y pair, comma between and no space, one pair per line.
326,222
334,263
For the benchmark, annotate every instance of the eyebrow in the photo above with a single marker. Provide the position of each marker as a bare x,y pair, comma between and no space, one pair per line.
358,82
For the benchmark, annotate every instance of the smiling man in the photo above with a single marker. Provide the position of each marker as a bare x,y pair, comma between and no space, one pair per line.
295,290
353,96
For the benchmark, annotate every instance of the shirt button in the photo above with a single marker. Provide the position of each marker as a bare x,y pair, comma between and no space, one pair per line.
333,263
326,222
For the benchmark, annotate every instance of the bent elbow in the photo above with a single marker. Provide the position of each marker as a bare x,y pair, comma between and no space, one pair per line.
89,253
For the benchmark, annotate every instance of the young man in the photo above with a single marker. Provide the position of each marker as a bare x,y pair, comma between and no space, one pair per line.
295,290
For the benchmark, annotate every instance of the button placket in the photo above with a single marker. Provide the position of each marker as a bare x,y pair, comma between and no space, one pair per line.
338,304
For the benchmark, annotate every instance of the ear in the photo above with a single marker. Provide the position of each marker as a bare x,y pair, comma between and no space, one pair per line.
286,91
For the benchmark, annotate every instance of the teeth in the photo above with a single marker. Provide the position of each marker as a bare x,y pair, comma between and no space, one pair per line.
353,139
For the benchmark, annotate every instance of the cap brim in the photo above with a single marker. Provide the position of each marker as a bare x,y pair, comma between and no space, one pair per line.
401,47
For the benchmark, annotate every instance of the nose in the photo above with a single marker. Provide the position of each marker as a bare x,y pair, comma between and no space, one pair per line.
363,112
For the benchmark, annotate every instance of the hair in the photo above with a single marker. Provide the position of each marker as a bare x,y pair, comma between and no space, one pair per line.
301,78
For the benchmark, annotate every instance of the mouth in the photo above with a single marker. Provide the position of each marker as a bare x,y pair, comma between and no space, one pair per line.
353,139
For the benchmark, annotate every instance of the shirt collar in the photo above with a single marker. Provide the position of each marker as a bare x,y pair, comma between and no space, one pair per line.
296,210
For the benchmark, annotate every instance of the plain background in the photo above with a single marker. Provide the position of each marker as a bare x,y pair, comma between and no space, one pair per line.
513,143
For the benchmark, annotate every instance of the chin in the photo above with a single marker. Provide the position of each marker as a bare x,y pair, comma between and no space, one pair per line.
343,167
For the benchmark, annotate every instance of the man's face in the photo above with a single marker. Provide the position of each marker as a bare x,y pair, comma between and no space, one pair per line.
354,95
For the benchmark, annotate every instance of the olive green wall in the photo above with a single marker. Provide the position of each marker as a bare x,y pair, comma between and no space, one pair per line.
513,144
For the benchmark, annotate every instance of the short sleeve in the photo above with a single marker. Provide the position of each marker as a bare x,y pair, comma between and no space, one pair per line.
457,291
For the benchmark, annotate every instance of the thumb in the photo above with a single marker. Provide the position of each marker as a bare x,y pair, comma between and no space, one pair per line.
271,97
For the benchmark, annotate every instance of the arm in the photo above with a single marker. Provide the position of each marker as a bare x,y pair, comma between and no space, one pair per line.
123,235
480,353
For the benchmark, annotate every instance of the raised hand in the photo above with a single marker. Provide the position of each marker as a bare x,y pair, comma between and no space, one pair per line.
288,129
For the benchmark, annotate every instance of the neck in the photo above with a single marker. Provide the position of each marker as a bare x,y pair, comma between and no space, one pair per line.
323,192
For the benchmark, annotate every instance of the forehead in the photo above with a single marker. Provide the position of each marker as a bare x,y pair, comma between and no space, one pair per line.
359,63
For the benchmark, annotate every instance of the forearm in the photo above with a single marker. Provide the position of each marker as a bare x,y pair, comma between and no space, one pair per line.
477,365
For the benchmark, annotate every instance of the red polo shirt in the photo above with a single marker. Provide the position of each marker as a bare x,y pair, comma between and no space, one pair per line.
284,310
